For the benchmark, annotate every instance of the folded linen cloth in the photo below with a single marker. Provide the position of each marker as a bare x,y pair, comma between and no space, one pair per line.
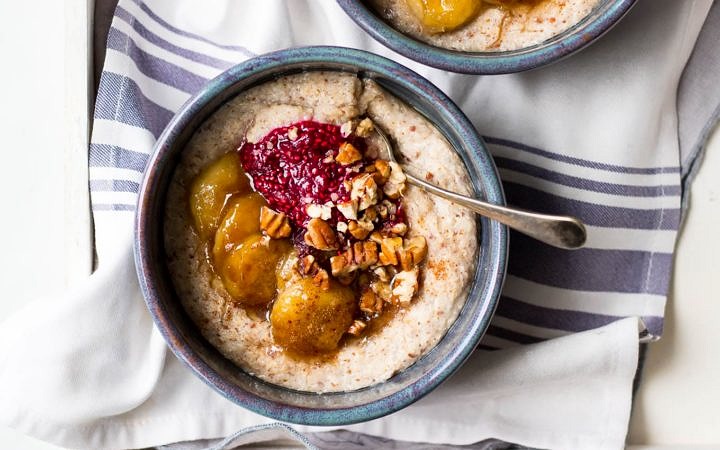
595,136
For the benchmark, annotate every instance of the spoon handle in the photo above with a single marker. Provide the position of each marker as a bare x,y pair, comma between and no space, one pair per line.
559,231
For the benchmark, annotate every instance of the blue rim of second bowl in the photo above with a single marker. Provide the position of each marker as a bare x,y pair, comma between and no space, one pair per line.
577,37
490,289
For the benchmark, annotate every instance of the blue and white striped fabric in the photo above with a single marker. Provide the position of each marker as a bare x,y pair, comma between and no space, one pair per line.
589,137
595,135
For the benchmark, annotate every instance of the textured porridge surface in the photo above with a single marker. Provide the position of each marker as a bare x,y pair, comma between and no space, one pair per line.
244,337
495,28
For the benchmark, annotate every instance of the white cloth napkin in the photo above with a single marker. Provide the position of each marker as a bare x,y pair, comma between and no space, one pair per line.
71,382
87,369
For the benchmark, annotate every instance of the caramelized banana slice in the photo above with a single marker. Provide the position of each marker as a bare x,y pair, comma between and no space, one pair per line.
210,190
307,319
248,271
241,220
438,16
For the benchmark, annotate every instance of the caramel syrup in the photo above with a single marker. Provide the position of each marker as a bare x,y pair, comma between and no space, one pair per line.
512,9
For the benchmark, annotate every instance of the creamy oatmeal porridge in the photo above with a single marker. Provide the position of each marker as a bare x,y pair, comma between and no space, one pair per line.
300,252
483,25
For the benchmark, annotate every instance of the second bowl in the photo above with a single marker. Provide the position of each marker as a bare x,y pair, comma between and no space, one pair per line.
603,16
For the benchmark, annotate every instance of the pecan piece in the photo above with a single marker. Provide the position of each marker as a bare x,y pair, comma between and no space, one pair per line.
364,190
348,154
340,266
389,248
293,133
376,237
380,171
399,229
382,210
404,286
394,187
382,290
347,128
370,303
320,235
370,214
381,273
365,254
322,279
348,209
365,127
360,255
392,208
275,224
413,253
357,327
360,229
316,211
307,265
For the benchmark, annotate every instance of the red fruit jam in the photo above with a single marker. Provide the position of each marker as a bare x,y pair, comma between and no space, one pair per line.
291,173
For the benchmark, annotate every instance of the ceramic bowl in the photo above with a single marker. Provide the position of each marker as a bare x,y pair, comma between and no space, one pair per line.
577,37
267,399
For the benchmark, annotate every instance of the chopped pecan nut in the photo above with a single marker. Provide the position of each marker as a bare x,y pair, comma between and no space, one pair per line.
293,133
399,229
389,248
347,128
339,265
382,210
313,211
381,273
357,327
322,279
348,209
404,286
274,223
370,303
376,237
380,171
364,191
413,253
365,254
391,208
370,215
364,128
360,229
348,154
307,265
320,235
382,290
360,255
395,185
316,211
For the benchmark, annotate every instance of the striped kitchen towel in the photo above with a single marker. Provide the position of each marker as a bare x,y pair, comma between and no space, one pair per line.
592,137
595,135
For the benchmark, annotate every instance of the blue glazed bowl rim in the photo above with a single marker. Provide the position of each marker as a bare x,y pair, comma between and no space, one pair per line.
495,254
577,37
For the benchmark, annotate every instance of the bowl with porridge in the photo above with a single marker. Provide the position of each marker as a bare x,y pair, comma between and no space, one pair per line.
486,36
283,255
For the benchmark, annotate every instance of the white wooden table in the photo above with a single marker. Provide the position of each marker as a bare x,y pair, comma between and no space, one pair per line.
44,125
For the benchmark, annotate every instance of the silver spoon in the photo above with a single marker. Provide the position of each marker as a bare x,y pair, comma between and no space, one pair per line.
559,231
